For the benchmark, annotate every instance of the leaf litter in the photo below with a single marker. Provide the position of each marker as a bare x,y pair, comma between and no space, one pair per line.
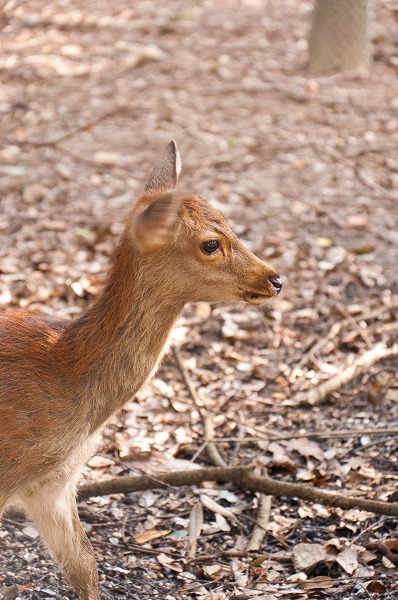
305,171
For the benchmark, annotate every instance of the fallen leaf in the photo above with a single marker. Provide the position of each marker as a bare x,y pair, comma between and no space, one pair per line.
222,523
216,508
30,531
376,587
169,562
97,462
348,560
150,534
318,583
211,570
297,577
237,567
194,527
306,448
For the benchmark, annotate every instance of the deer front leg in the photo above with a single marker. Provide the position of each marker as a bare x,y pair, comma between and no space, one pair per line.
53,509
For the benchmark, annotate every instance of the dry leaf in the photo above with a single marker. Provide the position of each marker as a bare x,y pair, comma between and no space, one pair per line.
98,462
150,534
237,567
194,527
30,531
376,587
318,583
212,570
147,499
216,508
222,523
168,561
348,560
392,545
306,448
387,562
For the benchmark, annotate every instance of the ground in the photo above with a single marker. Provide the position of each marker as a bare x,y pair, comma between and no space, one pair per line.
306,171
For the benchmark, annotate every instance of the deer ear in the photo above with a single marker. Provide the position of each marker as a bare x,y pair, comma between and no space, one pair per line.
165,173
153,228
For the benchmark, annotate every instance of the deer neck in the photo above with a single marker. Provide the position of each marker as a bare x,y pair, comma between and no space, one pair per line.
116,346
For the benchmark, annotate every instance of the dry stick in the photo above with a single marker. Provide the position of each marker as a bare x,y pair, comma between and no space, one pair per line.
337,327
342,309
242,477
68,134
333,332
262,520
344,433
208,427
369,358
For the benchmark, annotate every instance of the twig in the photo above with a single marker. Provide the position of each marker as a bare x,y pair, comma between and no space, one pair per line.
68,134
342,309
371,527
20,514
224,554
344,433
263,515
373,185
337,327
333,332
208,426
245,479
366,360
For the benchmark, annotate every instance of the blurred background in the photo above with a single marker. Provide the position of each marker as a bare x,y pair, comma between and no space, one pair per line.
286,116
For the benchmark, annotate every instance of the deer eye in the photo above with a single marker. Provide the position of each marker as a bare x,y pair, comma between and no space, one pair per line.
210,246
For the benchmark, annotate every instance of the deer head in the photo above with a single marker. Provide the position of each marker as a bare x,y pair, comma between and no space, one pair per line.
186,243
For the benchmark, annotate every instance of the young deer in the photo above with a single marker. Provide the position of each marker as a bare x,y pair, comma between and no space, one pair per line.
61,381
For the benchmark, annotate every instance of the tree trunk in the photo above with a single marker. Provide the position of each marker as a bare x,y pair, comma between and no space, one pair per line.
340,36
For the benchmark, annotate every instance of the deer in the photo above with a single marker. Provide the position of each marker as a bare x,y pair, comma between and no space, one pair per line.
61,380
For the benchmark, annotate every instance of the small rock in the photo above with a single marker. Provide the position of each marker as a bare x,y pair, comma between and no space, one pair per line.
114,541
106,158
307,556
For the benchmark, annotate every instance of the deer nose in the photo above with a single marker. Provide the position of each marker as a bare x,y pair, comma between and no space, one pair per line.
276,282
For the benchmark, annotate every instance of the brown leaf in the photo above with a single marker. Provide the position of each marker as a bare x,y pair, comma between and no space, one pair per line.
215,507
392,545
318,583
150,534
169,562
306,448
348,560
212,570
376,587
194,527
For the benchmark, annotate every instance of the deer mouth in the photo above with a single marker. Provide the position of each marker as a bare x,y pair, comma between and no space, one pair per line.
257,297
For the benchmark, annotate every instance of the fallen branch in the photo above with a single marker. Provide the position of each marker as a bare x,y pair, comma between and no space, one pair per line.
242,477
366,360
262,520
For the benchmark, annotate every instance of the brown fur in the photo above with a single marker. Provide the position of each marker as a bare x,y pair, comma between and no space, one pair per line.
61,381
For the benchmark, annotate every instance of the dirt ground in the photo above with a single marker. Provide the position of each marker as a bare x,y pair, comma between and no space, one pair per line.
305,170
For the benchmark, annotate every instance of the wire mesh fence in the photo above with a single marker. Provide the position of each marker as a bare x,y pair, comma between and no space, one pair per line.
340,37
